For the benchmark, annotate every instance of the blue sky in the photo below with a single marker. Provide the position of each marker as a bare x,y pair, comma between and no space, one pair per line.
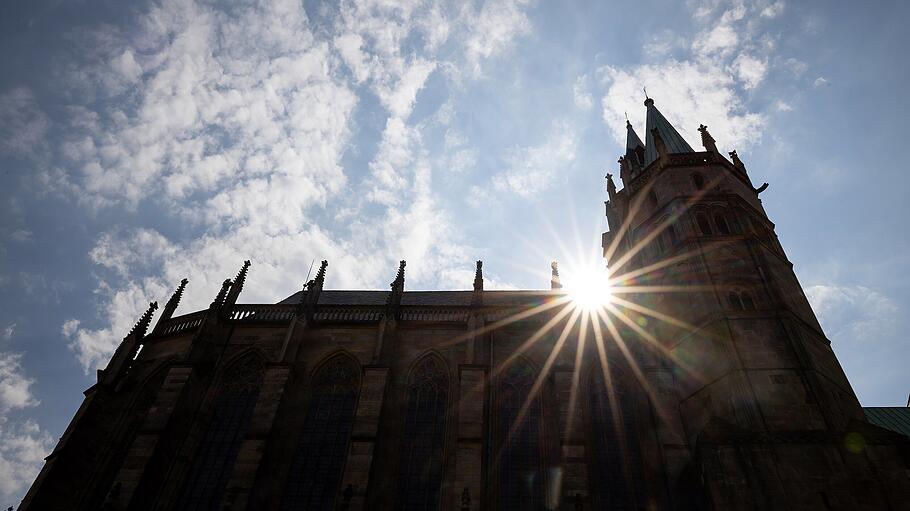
144,142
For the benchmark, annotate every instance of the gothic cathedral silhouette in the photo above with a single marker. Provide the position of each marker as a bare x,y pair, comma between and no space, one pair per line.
702,381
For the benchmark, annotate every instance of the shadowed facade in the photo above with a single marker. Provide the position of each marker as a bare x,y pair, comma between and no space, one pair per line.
704,381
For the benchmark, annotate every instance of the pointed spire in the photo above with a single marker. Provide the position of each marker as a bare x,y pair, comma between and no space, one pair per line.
219,298
632,140
393,303
237,286
311,291
611,187
673,141
126,351
171,305
737,162
142,325
706,139
554,276
477,296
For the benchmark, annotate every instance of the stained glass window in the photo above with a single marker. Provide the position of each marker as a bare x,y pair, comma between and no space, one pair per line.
316,470
616,460
420,474
214,460
520,473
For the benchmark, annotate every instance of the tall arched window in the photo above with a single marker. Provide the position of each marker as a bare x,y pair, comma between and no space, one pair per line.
720,220
520,472
214,460
420,474
699,181
617,469
703,225
652,199
315,473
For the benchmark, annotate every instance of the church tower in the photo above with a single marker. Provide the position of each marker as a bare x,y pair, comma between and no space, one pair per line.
748,383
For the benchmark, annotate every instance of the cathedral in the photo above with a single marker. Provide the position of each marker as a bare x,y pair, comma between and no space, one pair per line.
702,381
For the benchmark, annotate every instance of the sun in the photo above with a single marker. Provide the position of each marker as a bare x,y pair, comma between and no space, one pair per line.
589,287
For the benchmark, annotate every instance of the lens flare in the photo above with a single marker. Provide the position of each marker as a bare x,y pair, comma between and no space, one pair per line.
589,287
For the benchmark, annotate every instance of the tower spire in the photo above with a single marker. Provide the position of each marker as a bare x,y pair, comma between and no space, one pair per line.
171,305
555,283
393,304
673,141
477,297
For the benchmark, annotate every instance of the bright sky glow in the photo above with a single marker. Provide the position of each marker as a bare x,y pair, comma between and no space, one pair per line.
144,142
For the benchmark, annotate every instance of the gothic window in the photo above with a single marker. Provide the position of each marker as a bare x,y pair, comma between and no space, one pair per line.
617,469
214,459
703,225
720,220
741,300
699,181
652,199
420,474
316,469
748,303
520,474
671,236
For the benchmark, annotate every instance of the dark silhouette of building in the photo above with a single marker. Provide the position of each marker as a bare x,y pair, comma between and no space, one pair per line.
706,382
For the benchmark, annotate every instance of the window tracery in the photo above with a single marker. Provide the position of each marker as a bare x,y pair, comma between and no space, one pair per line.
420,474
617,467
520,473
214,460
316,470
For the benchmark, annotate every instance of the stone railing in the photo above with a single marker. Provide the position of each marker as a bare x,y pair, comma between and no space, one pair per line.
266,312
343,313
435,313
183,323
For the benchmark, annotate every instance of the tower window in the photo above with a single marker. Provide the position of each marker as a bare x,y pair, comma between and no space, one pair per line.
520,474
741,301
748,303
703,225
420,477
720,221
315,472
671,235
735,302
699,181
652,199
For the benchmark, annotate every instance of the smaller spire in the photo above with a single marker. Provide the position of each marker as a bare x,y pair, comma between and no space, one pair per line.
311,291
737,162
171,305
477,297
611,187
393,303
219,298
555,283
706,139
142,325
237,286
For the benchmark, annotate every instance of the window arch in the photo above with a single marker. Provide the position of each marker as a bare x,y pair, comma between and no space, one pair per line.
703,225
420,474
671,236
617,467
652,199
720,220
698,181
317,466
520,471
741,300
214,459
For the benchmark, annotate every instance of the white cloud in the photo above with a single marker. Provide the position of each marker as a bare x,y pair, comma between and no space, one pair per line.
854,314
238,123
749,70
23,444
688,94
782,106
24,125
8,332
533,170
581,94
721,40
772,11
821,81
